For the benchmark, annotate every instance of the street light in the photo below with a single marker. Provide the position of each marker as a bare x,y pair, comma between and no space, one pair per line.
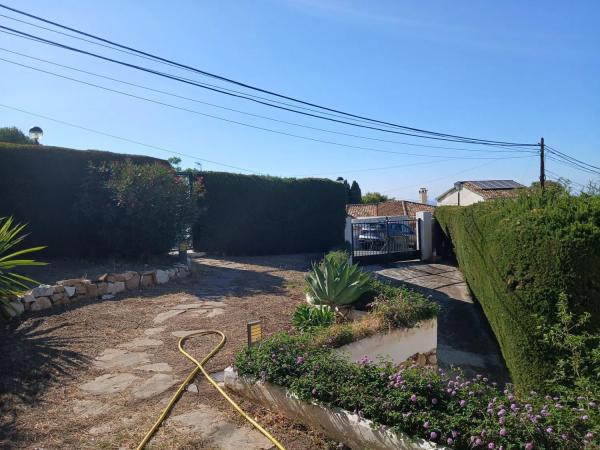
36,133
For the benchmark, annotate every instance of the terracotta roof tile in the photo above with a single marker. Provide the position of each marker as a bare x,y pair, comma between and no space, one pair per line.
387,208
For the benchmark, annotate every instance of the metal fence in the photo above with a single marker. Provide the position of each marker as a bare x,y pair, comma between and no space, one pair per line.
385,240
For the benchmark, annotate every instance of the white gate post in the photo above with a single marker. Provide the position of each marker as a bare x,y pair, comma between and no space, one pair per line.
424,235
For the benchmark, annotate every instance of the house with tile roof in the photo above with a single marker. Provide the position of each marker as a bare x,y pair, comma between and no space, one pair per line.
390,208
465,193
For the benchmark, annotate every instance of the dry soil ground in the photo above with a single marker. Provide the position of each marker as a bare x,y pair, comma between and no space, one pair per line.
96,374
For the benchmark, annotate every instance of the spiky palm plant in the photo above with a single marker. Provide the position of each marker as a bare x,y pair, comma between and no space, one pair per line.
12,283
337,284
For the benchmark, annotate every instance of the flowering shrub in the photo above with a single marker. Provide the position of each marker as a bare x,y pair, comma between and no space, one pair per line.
446,408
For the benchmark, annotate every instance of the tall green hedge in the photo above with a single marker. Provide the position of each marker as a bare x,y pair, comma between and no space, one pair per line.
39,185
517,257
257,215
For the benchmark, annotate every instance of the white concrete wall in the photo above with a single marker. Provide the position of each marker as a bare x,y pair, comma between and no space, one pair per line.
467,197
398,345
336,423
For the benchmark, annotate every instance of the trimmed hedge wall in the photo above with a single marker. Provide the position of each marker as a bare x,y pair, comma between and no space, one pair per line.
39,185
517,257
259,215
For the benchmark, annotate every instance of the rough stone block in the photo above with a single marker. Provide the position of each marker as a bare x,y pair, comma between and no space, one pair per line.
58,297
58,289
16,309
28,298
92,290
103,277
172,273
116,287
70,291
102,287
161,277
43,290
147,279
41,303
133,282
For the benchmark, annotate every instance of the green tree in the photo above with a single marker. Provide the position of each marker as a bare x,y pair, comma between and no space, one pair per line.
374,197
14,136
355,195
175,163
137,210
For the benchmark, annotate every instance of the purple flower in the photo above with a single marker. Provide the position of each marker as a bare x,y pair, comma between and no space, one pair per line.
433,435
501,412
501,420
585,417
478,442
413,398
434,401
454,434
314,392
450,441
549,430
491,445
382,428
503,432
592,404
589,435
462,403
426,425
300,360
529,446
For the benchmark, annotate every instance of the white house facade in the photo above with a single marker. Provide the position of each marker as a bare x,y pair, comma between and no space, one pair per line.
465,193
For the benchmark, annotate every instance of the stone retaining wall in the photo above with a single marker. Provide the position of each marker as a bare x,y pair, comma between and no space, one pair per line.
105,286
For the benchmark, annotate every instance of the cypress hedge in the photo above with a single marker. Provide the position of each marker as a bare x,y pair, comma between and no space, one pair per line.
517,257
39,185
259,215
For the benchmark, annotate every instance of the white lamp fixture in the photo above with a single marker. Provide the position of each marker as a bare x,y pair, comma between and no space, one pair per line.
36,133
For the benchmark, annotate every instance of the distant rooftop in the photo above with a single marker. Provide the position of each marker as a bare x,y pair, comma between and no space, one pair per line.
495,184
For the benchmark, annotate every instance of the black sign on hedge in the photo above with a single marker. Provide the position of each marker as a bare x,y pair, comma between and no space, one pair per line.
259,215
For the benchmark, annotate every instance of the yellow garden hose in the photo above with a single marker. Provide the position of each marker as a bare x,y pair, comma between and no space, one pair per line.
200,368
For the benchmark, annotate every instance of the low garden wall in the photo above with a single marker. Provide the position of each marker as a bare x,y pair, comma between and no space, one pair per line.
105,287
336,423
418,343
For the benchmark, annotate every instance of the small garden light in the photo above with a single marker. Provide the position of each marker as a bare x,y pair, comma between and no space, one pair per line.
36,133
254,329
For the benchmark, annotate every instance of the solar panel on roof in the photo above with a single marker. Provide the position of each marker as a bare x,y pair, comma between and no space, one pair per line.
496,184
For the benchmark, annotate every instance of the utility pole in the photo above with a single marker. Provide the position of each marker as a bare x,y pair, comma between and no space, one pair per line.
542,170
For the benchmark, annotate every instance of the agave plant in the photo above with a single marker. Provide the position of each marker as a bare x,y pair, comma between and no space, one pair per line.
12,283
337,284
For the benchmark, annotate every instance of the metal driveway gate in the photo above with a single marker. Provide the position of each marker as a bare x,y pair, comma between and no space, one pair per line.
385,240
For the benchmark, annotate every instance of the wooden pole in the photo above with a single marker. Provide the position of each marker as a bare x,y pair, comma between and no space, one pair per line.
542,169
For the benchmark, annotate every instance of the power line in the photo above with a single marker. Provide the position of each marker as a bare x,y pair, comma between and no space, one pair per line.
575,160
173,65
571,164
242,123
259,115
132,141
255,88
190,82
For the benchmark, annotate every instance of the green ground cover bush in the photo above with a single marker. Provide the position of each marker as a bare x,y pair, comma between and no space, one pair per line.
135,210
259,215
446,408
518,257
39,185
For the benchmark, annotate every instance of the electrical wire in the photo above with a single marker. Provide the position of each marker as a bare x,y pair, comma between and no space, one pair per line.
171,94
192,111
572,159
193,83
248,86
131,141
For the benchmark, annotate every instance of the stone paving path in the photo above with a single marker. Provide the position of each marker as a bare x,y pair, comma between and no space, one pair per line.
465,338
134,371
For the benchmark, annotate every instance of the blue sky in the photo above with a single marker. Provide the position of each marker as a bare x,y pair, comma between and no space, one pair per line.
509,70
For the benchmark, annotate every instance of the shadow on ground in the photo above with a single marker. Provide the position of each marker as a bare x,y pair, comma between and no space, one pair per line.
32,357
465,338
